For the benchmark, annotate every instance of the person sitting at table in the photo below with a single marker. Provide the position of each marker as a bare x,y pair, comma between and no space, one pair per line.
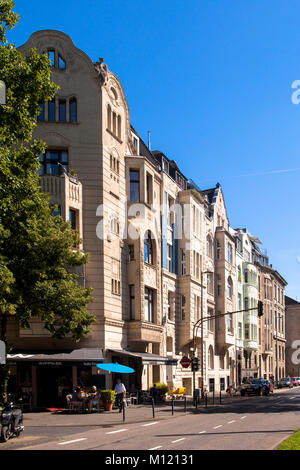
77,398
77,394
93,398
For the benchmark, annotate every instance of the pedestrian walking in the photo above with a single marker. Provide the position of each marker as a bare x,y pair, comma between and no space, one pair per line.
121,391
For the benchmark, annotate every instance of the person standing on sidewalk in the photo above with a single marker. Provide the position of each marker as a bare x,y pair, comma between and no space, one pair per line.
121,391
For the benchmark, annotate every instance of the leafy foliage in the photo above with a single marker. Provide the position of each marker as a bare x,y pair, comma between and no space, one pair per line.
36,248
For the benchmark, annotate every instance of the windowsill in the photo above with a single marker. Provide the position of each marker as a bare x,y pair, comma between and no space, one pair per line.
114,171
149,264
114,136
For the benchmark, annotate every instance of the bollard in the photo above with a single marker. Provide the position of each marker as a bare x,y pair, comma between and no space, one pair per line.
206,400
153,408
124,412
172,405
220,397
185,404
213,397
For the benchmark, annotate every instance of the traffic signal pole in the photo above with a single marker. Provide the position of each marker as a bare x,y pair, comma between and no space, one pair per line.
200,322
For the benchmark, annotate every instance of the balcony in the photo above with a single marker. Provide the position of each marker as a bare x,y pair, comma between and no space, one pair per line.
144,332
65,192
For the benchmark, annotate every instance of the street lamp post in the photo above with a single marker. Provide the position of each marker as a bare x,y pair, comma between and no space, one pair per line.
201,343
276,319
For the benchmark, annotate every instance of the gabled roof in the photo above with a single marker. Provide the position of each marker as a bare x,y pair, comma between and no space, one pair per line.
210,193
290,301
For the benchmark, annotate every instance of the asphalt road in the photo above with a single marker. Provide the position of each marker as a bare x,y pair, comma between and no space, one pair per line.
254,423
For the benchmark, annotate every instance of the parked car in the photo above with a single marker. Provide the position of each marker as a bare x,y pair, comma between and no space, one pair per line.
296,381
256,387
271,385
285,382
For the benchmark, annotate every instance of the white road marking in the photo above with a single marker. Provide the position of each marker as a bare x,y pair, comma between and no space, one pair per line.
233,421
220,425
71,442
177,440
243,417
154,448
202,432
150,424
119,430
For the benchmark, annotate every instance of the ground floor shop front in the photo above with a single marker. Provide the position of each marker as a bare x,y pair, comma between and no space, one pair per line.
44,380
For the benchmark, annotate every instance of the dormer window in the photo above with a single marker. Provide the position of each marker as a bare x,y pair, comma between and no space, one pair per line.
165,165
136,143
180,181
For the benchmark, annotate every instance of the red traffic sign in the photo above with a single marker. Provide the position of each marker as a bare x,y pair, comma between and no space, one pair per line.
185,362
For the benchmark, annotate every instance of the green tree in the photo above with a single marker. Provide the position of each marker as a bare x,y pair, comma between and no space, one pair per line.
36,248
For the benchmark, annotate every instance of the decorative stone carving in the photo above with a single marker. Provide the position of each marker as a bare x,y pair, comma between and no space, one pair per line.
102,70
150,276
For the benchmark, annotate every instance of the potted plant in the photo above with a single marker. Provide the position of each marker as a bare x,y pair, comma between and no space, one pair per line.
108,398
163,389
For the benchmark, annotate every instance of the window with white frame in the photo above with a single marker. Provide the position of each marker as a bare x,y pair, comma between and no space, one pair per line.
149,305
183,307
229,288
169,257
229,253
183,263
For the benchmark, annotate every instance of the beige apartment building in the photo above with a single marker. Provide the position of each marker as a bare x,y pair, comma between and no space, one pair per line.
272,334
292,328
162,253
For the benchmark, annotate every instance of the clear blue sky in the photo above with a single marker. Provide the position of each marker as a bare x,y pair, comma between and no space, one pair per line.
212,81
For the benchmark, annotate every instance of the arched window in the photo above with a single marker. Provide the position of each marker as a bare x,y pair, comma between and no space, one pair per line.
73,110
62,111
119,127
114,226
229,288
109,117
210,357
148,248
209,246
114,129
61,63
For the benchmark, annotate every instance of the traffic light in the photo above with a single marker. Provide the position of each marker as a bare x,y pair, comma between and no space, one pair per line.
195,364
260,308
